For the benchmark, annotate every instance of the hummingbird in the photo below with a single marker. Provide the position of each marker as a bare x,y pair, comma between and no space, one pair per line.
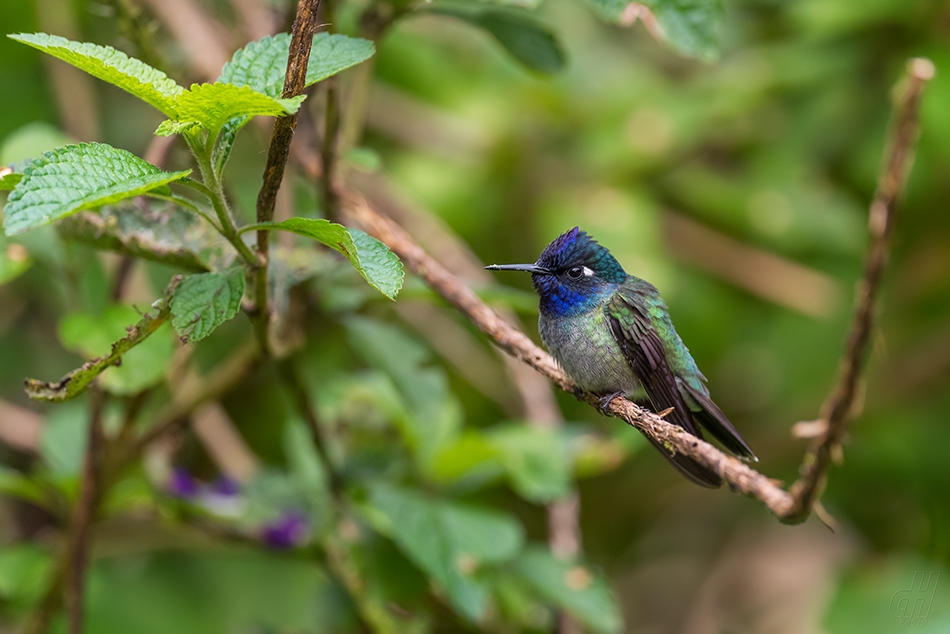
612,333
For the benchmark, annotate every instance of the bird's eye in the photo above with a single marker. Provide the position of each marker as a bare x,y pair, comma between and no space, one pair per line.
575,272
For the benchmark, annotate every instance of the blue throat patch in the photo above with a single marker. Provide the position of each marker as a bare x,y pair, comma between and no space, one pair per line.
560,296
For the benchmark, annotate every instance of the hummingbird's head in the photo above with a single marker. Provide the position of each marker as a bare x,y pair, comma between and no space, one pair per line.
572,274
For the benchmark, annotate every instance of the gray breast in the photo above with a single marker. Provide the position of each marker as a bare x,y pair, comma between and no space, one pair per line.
586,349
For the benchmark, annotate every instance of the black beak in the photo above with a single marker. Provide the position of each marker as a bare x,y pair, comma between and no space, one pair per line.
530,268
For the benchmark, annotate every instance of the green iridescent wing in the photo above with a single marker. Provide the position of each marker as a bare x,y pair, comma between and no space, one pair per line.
630,323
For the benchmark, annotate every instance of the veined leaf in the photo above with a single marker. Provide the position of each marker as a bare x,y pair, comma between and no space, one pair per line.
204,301
373,259
213,105
76,382
447,541
169,127
689,26
528,40
115,67
78,177
262,65
160,232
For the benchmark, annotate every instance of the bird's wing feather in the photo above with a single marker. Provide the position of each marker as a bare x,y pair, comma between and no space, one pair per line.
711,417
641,345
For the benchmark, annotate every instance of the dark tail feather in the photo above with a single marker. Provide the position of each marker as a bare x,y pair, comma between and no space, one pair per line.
696,472
712,418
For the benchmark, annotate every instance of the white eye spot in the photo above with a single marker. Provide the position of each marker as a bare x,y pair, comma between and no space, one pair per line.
587,272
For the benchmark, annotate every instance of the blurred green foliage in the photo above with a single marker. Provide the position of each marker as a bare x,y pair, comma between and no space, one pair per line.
738,185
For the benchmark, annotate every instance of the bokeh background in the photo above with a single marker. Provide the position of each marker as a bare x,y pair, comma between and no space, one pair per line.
739,187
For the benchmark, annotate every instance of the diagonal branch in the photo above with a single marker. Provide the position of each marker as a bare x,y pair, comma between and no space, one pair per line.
898,157
788,506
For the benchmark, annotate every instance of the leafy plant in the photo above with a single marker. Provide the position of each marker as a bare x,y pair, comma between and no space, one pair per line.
367,476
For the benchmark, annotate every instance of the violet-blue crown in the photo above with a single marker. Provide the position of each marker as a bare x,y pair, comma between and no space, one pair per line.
576,248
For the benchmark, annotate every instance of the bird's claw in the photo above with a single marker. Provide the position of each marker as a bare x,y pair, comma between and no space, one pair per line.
604,401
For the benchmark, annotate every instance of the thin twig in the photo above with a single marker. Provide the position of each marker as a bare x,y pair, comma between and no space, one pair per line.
789,507
898,157
83,515
294,83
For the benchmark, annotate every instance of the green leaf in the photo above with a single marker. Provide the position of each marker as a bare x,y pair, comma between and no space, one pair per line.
376,263
203,302
527,40
433,415
148,84
92,334
536,460
447,541
168,127
77,177
262,65
584,595
213,105
76,382
9,181
163,232
689,26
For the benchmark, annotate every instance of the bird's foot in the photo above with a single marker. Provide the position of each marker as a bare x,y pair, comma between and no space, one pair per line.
604,401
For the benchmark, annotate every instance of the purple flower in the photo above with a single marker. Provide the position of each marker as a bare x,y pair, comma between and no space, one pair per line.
181,484
287,532
225,486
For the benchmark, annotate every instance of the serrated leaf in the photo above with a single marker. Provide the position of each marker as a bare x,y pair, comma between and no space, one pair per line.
168,127
9,181
527,39
222,149
573,588
691,27
104,62
203,302
91,334
213,105
76,382
161,233
376,263
78,177
262,65
448,541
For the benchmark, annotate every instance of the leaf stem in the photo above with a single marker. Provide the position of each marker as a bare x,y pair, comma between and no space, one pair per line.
215,192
